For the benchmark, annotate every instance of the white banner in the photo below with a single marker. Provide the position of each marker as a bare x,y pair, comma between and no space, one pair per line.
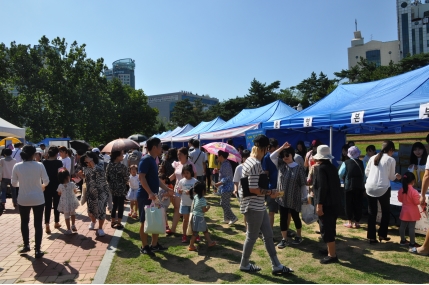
226,134
357,117
277,124
308,122
424,111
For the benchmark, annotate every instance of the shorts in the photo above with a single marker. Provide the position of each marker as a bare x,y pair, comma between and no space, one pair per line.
198,224
185,210
272,205
142,202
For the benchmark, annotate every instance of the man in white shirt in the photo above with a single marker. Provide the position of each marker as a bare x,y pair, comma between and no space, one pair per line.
199,158
238,191
16,152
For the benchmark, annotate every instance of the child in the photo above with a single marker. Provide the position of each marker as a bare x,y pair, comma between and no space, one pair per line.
410,199
418,159
183,187
132,193
164,198
198,222
68,201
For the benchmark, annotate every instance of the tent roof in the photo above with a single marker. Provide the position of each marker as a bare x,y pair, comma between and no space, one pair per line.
177,132
379,100
200,128
273,111
9,130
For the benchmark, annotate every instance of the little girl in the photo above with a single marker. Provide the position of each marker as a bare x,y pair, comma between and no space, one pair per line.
132,193
68,201
410,214
164,198
182,189
198,222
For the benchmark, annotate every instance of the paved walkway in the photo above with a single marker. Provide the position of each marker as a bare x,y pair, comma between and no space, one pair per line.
68,258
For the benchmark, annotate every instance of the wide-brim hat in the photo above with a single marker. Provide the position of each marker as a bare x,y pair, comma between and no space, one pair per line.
323,152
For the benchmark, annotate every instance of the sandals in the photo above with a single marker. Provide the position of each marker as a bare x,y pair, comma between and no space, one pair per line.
415,251
73,228
252,268
57,226
192,248
213,243
283,270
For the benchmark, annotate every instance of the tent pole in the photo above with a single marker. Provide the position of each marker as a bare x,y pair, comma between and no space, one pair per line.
330,139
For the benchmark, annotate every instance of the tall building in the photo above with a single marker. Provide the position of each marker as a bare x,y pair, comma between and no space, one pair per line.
381,53
166,102
413,26
123,69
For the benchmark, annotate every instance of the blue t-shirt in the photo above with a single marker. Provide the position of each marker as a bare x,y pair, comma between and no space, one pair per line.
148,166
268,165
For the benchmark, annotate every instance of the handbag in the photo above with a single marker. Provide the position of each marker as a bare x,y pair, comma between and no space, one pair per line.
263,183
308,214
190,231
84,196
154,220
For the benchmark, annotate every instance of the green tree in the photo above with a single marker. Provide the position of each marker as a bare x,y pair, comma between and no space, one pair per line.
261,94
291,97
315,87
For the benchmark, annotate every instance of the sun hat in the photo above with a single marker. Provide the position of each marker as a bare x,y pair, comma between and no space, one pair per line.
323,152
261,141
353,152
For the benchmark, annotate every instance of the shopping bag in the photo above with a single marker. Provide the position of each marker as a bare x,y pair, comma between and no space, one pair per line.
308,214
154,220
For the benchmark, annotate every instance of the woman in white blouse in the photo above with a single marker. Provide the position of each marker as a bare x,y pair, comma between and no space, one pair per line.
379,172
29,175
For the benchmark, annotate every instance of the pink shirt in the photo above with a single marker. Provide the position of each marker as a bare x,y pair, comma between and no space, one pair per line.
178,169
410,212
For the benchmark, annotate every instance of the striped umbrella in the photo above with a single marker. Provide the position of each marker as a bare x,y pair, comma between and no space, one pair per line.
120,144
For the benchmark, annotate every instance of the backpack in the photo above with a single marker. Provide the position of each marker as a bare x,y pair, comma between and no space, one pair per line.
134,158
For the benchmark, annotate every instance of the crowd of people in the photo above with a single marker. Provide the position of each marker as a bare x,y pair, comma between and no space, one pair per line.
270,179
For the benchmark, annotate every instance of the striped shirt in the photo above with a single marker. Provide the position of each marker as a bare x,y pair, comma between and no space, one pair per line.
252,168
199,204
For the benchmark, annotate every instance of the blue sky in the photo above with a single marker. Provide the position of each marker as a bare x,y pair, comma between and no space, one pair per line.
213,47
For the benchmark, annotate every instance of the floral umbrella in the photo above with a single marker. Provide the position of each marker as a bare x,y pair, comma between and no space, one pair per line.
214,147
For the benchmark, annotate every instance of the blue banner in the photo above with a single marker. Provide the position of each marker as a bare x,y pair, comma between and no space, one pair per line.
251,135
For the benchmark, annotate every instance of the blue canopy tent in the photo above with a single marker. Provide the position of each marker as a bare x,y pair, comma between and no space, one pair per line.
200,128
248,119
176,132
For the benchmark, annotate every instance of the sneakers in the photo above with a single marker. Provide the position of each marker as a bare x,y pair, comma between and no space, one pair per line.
404,243
297,240
68,232
158,247
39,254
25,249
197,239
91,226
328,259
169,232
233,221
100,233
282,244
147,250
225,222
184,239
73,228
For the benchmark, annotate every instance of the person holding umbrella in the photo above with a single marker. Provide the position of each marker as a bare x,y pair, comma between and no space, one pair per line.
226,187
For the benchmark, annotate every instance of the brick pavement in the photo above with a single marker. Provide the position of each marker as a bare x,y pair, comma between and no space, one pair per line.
68,258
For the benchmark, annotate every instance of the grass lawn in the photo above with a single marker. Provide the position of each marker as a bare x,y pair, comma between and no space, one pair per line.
360,262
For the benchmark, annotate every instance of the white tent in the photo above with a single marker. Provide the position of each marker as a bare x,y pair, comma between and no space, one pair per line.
9,130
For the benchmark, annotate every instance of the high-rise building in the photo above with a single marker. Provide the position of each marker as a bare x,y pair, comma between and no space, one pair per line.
123,69
381,53
413,26
166,102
